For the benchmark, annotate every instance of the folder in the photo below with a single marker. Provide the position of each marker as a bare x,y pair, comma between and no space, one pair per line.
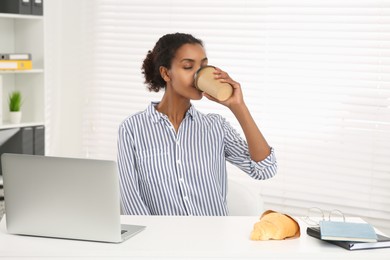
15,56
382,242
15,64
39,140
27,140
15,6
37,7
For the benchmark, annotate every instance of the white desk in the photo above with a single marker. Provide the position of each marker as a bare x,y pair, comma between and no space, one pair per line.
182,238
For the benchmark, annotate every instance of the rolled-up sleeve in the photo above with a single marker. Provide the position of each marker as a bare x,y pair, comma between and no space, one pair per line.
264,169
237,153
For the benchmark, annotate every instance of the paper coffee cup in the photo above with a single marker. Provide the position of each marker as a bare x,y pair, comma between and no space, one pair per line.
205,81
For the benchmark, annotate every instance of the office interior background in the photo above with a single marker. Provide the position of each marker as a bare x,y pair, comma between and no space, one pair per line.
315,75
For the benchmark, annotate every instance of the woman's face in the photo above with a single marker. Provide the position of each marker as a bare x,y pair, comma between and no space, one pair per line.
188,59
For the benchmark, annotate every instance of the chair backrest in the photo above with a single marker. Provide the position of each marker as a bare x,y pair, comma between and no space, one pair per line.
242,201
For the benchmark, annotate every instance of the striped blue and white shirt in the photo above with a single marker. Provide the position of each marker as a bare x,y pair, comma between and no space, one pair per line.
164,172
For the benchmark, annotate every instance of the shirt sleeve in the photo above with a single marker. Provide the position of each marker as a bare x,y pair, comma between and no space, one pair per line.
237,153
131,200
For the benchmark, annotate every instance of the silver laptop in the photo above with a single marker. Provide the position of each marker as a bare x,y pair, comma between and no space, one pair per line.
63,198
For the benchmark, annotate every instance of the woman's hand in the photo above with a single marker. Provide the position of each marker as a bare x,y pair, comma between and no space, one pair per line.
258,146
236,98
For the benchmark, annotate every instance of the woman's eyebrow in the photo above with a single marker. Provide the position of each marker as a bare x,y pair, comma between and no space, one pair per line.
192,60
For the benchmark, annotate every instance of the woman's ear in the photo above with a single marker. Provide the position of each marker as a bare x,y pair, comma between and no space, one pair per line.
164,72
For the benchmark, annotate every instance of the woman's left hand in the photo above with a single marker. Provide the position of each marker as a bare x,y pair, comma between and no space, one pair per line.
237,96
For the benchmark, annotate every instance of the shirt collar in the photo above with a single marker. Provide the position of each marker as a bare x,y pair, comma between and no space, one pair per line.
157,116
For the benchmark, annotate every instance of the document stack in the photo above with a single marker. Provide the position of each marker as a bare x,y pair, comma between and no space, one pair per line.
29,7
361,236
15,61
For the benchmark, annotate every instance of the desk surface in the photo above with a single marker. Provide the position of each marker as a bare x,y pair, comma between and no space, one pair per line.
184,237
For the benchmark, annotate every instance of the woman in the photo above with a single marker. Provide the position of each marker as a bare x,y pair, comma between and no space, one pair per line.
172,158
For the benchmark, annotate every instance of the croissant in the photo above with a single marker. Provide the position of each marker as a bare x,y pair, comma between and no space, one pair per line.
274,225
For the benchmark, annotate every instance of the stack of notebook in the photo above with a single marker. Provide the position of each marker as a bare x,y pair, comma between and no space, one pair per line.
15,61
351,236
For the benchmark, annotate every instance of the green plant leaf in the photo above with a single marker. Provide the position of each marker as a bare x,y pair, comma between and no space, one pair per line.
15,101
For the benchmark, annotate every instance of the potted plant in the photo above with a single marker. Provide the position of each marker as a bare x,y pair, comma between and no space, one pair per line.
15,103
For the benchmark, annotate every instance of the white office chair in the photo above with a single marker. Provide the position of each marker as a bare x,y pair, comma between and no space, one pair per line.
242,201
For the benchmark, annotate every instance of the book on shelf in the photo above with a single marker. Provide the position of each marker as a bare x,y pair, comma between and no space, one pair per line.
382,241
15,64
15,56
347,231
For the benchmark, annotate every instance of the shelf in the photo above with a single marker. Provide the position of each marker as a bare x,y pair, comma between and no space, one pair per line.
21,71
20,33
7,125
20,16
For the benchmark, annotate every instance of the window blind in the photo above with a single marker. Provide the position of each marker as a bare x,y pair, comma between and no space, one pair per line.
315,75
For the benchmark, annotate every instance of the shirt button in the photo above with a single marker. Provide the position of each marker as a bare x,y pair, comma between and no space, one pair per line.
181,180
178,162
185,198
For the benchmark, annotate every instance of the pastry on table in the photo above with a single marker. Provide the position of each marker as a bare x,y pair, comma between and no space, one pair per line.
275,225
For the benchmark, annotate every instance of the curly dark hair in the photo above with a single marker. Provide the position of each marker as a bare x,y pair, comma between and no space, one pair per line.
162,55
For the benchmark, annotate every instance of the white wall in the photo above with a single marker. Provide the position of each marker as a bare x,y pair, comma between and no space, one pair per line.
64,78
